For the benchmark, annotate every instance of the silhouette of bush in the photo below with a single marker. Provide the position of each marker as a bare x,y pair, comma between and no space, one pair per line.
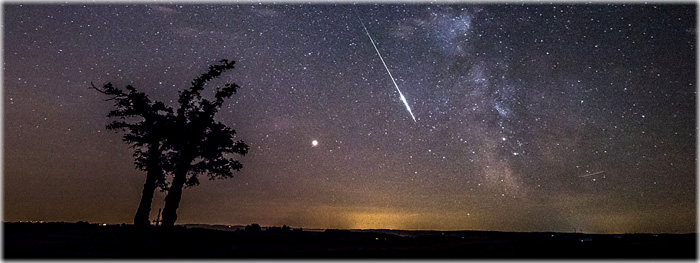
276,229
253,228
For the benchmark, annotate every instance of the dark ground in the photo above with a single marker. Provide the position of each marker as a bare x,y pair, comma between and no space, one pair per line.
83,240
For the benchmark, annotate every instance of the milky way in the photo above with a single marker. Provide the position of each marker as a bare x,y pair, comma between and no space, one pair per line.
529,117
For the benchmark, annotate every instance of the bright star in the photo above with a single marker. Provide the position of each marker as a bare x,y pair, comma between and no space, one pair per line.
314,143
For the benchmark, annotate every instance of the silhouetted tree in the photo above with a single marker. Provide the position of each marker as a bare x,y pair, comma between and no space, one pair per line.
198,144
144,124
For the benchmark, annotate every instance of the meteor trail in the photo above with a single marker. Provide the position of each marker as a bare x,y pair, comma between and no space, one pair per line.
403,99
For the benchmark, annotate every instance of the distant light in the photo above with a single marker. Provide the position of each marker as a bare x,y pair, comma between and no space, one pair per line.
314,143
103,224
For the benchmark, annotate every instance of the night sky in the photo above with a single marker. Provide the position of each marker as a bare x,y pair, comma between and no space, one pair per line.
566,117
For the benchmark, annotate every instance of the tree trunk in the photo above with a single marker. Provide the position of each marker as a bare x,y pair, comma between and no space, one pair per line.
172,200
144,210
149,187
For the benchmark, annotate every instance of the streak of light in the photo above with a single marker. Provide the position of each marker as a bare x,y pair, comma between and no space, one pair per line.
403,99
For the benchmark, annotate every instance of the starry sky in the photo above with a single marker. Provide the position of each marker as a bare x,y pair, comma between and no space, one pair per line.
529,117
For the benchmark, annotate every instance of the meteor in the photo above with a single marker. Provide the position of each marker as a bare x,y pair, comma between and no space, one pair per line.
403,99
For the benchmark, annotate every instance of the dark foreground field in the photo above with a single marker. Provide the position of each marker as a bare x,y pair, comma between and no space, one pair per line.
82,240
